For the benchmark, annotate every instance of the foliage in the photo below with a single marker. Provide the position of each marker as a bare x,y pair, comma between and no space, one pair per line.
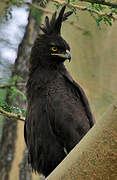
45,1
15,2
11,109
71,8
13,91
106,17
101,8
2,98
36,14
9,10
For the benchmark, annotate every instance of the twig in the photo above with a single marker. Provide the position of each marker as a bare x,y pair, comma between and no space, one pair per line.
11,85
47,11
32,5
11,115
84,8
77,7
103,2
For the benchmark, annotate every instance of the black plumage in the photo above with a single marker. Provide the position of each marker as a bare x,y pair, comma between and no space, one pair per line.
58,112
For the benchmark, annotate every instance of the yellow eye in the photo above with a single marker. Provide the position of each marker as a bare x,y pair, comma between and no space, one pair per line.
54,49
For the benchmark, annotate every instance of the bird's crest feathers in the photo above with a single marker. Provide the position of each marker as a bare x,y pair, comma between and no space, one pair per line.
54,25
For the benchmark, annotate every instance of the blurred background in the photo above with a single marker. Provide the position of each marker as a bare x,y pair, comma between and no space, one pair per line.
93,66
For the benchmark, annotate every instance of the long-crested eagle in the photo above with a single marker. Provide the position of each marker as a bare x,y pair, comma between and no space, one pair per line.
58,112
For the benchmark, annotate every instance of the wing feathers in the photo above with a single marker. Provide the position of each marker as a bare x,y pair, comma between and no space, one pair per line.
82,95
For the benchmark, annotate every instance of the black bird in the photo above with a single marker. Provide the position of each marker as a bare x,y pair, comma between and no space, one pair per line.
58,112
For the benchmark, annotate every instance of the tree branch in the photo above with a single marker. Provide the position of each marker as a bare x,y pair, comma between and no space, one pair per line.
11,115
32,5
47,11
103,2
84,8
78,7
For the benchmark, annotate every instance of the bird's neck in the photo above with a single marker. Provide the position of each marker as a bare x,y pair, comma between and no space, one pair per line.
44,63
40,76
44,73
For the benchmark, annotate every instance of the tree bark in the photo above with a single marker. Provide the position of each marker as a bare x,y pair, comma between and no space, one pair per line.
3,7
9,134
95,157
25,172
10,128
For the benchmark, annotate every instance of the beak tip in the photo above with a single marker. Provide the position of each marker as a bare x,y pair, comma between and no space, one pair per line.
69,56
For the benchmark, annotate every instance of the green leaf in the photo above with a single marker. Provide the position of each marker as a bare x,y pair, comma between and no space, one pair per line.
45,1
107,20
36,14
98,20
14,91
23,112
12,109
72,9
57,5
15,79
73,1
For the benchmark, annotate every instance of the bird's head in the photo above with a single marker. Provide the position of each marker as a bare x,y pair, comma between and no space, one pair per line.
50,43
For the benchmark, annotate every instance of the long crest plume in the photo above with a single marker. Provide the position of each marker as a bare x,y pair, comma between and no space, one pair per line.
54,25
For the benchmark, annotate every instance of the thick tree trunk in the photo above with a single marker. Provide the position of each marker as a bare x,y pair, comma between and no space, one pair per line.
9,146
25,172
95,157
